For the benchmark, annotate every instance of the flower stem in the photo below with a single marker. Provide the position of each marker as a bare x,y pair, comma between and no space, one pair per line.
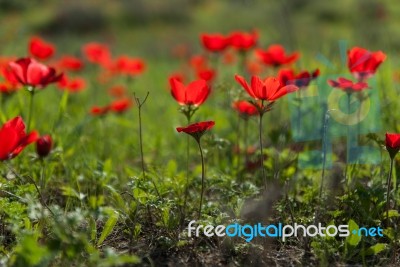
30,115
388,190
262,152
187,175
238,146
202,178
348,141
246,124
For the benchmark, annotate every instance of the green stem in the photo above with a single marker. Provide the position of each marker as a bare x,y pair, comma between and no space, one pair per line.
187,174
389,180
246,123
262,152
238,146
32,94
348,140
202,178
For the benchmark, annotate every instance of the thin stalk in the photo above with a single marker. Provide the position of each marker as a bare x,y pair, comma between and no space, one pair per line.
238,146
348,140
246,124
299,113
187,174
30,115
202,178
141,142
324,146
389,180
262,152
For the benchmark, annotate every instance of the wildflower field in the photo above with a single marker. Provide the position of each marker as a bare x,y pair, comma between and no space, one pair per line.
135,133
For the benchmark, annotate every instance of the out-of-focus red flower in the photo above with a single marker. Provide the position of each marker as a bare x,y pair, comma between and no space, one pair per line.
128,65
44,145
198,62
276,56
98,111
41,49
73,85
197,129
70,63
206,74
8,82
29,72
254,68
214,42
392,143
347,85
117,91
13,138
363,63
269,89
120,105
195,93
245,108
243,41
97,53
228,58
301,79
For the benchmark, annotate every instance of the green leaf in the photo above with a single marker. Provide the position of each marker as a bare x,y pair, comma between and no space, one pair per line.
375,249
108,227
392,213
353,239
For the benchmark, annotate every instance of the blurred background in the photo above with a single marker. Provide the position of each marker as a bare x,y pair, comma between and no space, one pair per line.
154,28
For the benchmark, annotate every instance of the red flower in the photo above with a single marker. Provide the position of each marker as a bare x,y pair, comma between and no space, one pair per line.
206,74
198,62
347,85
29,72
275,55
97,53
117,91
195,93
128,65
40,49
73,85
214,42
9,83
44,145
363,63
70,63
98,111
245,108
254,68
13,138
269,90
179,76
243,41
392,143
197,129
120,105
302,79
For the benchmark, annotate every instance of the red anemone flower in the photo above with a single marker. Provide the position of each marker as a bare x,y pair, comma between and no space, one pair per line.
179,76
195,93
97,53
120,105
347,85
275,56
73,85
269,89
13,138
40,49
206,74
117,91
128,65
99,111
363,63
301,80
198,62
245,108
243,41
214,42
197,129
392,143
44,145
70,63
29,72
